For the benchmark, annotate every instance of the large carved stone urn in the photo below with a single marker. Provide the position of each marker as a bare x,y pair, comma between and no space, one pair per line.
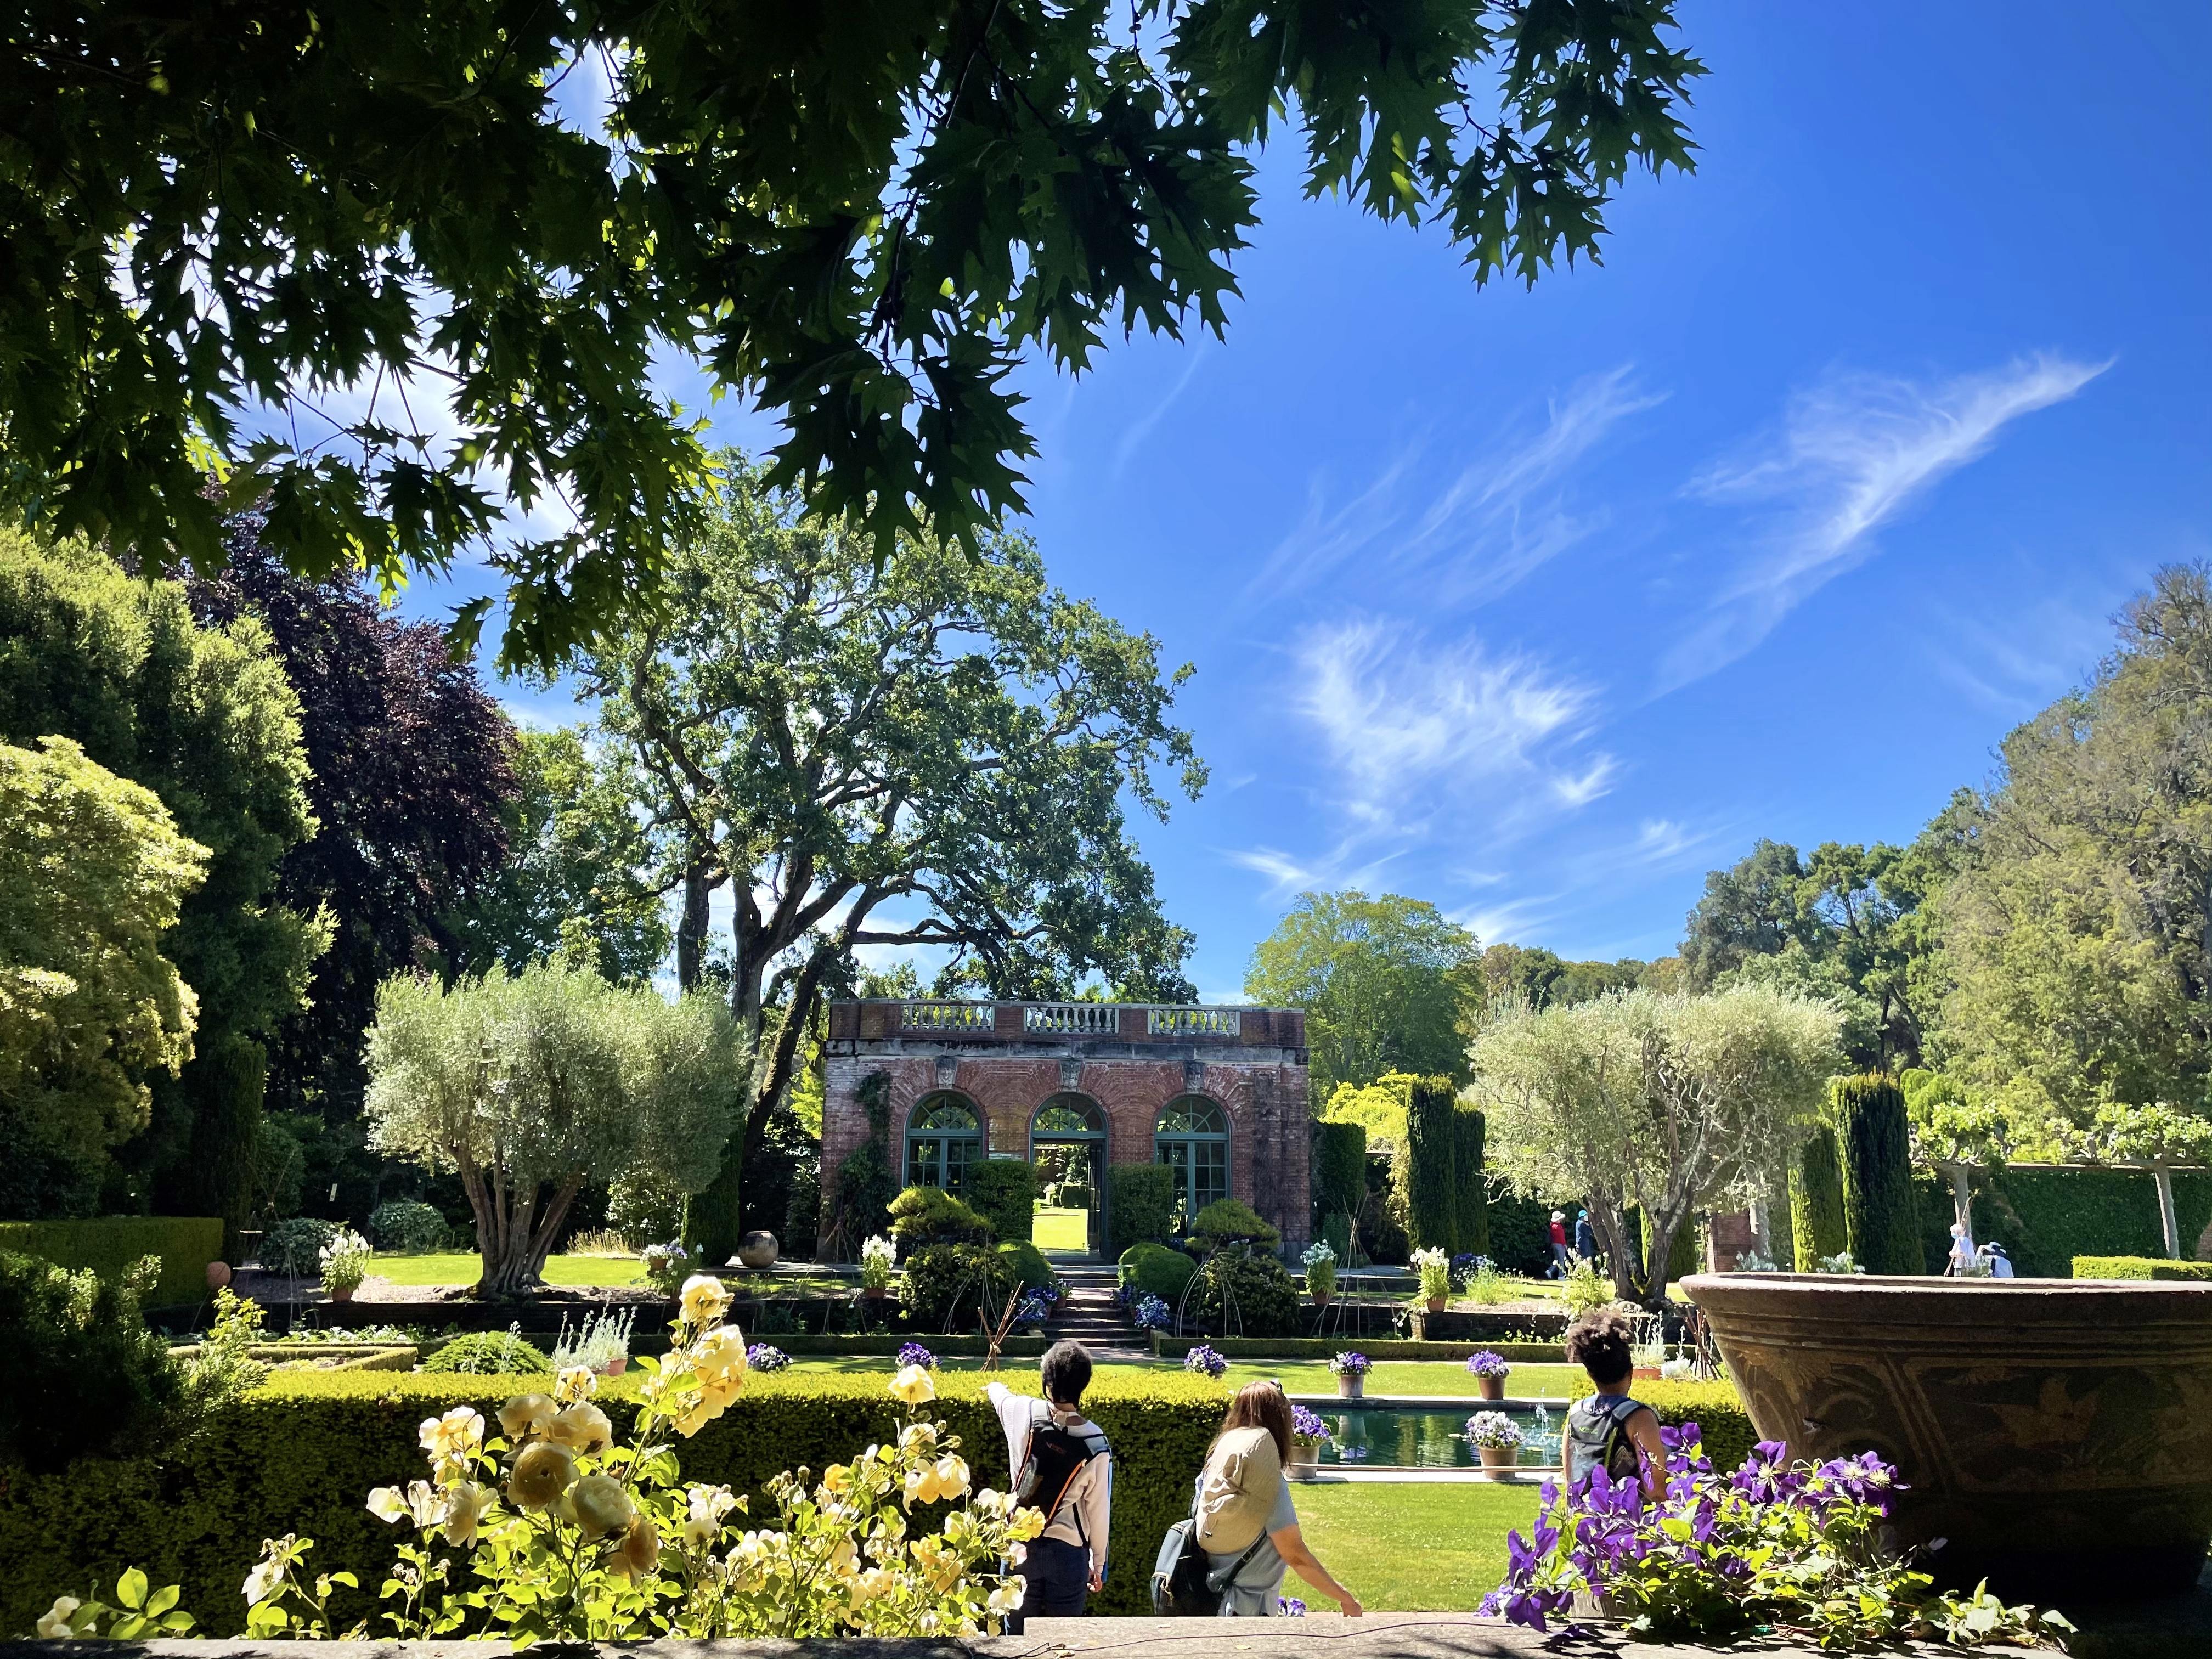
2056,1433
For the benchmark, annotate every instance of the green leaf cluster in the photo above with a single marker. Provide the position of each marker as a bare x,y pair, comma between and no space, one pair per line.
857,220
1003,1191
1139,1204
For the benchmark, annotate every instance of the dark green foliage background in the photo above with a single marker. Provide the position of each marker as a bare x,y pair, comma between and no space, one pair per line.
1229,1220
1817,1226
1469,1189
2046,1217
1247,1292
1003,1191
1428,1179
1881,1210
930,1215
1139,1204
185,1244
106,1383
1340,1163
946,1286
1520,1233
303,1454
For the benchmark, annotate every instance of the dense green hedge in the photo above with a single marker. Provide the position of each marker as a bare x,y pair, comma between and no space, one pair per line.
1427,1180
2139,1267
1157,1270
2046,1217
302,1454
1139,1204
1722,1423
185,1244
1520,1233
1881,1211
1340,1163
1375,1348
1003,1191
884,1345
1469,1189
1817,1228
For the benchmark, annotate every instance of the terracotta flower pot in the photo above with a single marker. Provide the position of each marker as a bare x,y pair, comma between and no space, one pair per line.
1490,1388
1436,1303
614,1368
341,1293
218,1275
1496,1459
1321,1298
2052,1431
1648,1373
1350,1387
875,1293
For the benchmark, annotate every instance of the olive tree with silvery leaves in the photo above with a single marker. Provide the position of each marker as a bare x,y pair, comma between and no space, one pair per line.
1666,1104
532,1084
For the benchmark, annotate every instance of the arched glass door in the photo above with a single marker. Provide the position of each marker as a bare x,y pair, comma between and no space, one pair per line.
943,1139
1067,1142
1192,1138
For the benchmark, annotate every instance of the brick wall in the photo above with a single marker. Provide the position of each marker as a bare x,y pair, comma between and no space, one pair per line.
1270,1133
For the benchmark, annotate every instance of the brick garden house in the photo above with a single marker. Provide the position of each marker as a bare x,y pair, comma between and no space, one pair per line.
1216,1094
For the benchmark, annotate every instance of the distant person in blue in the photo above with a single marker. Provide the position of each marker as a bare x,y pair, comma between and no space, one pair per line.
1585,1237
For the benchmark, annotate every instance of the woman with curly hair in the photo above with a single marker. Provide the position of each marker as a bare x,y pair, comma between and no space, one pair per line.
1608,1430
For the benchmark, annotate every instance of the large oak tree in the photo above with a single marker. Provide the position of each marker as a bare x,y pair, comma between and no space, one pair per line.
933,748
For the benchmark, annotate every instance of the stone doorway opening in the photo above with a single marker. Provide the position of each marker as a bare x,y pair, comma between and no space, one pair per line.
1067,1143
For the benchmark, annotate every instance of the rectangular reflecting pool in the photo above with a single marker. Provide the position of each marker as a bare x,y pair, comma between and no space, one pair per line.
1428,1436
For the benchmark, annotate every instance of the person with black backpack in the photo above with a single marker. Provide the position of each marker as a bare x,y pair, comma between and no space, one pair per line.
1064,1466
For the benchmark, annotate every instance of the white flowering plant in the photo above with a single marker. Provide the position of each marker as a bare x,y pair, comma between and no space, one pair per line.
139,1613
1434,1267
878,1257
545,1527
345,1260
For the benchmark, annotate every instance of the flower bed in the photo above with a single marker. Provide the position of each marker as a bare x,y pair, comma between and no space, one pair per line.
298,1454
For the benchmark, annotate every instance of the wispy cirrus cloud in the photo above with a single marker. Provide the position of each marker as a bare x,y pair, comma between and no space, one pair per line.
1497,518
1852,453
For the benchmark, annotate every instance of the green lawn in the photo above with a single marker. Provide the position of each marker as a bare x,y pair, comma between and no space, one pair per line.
1411,1547
451,1268
1061,1229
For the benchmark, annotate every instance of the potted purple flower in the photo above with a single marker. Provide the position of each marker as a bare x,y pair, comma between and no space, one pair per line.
1490,1371
1496,1438
1352,1370
1308,1433
913,1353
1203,1359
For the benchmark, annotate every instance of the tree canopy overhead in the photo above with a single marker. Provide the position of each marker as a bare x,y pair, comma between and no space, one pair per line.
857,216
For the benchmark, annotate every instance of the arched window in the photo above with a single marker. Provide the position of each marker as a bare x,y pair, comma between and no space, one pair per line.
1192,1138
1067,1117
943,1139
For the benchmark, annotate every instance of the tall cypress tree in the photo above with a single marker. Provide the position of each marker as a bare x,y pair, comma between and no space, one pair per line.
1472,1198
1429,1166
1880,1213
1817,1225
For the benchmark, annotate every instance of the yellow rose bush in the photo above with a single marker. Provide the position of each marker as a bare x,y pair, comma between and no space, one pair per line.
541,1527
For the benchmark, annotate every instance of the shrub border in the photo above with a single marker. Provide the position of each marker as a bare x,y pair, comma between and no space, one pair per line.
2139,1267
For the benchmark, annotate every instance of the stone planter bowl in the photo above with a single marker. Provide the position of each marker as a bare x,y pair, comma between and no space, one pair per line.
758,1251
2056,1433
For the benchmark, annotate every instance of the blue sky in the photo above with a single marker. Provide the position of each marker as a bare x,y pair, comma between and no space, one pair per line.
1539,605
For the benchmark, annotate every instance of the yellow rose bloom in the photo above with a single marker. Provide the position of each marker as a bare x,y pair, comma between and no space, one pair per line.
705,1300
526,1415
721,1352
919,1437
912,1386
583,1429
638,1552
452,1439
575,1383
601,1506
952,1476
465,1502
541,1474
55,1627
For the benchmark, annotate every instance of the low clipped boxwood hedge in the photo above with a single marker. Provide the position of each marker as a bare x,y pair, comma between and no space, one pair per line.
2139,1267
1722,1423
1322,1347
300,1454
185,1244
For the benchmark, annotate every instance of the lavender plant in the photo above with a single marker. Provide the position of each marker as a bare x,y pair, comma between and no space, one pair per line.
1790,1548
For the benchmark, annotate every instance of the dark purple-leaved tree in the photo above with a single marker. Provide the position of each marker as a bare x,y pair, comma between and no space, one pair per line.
413,777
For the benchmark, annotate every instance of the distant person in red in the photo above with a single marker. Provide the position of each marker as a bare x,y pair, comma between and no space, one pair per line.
1558,1244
